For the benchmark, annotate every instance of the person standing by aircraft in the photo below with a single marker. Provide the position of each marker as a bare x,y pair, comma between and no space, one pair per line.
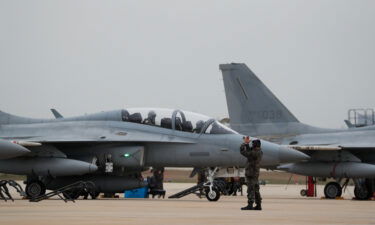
254,156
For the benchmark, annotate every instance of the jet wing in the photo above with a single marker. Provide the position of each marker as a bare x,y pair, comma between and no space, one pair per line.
349,147
350,140
96,134
130,137
315,148
352,147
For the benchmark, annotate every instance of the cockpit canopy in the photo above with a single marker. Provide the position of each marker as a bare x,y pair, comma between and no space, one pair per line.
175,120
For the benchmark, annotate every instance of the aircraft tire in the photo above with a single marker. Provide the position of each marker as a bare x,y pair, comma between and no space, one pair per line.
332,190
303,192
362,193
214,195
35,189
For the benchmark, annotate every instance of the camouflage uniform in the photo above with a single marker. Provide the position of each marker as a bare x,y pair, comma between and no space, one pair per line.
252,172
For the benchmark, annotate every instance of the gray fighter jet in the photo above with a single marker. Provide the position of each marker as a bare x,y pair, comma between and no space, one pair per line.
339,154
112,148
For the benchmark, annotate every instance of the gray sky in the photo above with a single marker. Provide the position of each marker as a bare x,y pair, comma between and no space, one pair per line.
89,56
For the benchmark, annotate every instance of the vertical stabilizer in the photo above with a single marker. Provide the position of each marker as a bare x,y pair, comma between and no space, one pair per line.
56,114
249,100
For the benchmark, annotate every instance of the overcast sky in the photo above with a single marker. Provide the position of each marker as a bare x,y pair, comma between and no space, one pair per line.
318,57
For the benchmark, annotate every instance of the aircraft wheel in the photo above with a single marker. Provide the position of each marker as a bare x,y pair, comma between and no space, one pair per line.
213,195
35,189
332,190
361,193
303,192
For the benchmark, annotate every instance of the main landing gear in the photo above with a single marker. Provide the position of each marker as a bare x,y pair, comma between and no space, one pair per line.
35,188
332,190
364,188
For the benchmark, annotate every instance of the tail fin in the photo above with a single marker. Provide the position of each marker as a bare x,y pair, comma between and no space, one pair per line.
56,114
249,100
6,118
349,124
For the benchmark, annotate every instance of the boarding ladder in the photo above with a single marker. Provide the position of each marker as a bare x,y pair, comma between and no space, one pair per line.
187,191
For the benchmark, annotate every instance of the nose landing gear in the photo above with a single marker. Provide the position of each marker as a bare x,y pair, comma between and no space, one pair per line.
212,192
212,195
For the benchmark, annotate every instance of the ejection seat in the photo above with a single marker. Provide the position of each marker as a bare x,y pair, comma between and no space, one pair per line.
187,126
166,123
135,118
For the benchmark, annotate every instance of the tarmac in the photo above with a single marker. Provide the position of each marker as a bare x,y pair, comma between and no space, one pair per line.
281,205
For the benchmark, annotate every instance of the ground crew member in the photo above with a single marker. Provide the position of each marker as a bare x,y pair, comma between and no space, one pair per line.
254,156
159,177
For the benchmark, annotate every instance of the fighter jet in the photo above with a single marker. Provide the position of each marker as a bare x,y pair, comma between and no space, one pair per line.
112,148
339,154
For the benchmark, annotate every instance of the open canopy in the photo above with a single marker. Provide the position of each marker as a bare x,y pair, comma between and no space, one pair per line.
175,119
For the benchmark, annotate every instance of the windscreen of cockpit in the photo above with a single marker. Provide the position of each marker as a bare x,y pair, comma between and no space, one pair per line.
218,128
174,119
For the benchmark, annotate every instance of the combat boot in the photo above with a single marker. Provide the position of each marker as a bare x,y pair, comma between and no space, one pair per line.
248,207
258,206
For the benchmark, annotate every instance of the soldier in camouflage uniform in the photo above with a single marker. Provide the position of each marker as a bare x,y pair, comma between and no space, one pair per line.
254,156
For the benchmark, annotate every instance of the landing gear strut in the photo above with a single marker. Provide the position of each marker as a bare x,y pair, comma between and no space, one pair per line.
212,192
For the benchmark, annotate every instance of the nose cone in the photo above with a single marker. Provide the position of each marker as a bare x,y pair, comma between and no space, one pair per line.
288,155
11,150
